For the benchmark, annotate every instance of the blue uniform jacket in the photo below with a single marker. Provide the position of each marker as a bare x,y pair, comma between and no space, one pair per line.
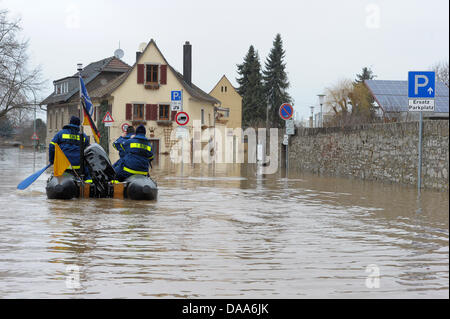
118,144
68,140
138,154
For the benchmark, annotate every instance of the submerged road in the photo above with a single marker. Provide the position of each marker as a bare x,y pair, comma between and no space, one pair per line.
223,232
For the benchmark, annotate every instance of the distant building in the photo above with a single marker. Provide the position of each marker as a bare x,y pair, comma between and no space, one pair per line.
228,118
392,99
65,99
230,112
141,94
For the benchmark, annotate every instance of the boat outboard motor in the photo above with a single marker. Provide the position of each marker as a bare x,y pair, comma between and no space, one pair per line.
100,169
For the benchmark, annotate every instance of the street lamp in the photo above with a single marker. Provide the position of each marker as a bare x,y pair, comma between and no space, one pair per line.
321,100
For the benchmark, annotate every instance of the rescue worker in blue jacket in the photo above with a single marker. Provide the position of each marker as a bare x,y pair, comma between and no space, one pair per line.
118,144
138,156
68,140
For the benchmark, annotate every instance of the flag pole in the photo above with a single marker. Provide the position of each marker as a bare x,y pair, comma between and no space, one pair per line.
80,68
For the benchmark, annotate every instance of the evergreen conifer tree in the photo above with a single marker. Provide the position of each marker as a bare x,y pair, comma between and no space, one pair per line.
276,82
251,89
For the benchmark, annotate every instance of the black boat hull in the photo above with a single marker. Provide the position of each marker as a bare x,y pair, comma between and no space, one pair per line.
141,188
135,187
62,187
67,186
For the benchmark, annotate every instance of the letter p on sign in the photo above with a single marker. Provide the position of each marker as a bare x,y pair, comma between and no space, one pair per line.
421,84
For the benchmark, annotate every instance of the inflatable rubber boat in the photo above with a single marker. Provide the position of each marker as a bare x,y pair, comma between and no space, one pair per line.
103,185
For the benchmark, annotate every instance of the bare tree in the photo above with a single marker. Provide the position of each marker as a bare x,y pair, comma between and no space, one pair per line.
441,69
337,97
18,84
351,103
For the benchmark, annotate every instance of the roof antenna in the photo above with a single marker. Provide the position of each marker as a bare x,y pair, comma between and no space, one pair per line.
119,52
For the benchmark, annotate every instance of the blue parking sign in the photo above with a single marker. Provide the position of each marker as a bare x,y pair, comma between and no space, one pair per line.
176,95
421,84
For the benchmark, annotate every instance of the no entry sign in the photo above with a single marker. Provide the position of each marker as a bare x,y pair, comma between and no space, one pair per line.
286,111
182,118
125,127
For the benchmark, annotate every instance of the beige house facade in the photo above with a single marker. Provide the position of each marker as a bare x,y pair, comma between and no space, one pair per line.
228,139
143,96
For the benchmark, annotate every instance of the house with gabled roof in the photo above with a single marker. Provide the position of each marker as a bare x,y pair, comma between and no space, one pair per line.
228,120
142,95
230,112
64,101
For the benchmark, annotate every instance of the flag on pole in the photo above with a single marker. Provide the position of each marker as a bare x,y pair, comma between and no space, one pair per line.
88,110
60,163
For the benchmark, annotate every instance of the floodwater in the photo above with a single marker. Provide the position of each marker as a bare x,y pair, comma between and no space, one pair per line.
223,232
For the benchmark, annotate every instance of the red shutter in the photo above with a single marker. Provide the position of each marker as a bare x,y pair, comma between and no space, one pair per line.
148,111
153,112
174,113
129,112
163,78
140,73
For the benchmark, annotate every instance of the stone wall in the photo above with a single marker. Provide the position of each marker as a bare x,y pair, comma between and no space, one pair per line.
382,152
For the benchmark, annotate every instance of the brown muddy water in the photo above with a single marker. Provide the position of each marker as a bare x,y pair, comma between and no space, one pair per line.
222,232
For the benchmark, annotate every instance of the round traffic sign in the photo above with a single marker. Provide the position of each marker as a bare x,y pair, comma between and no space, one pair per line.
286,111
125,127
182,118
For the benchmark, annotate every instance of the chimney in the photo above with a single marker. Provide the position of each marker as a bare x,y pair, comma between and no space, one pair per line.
187,62
138,55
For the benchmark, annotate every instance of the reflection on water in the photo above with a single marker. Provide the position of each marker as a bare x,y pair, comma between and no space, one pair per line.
223,232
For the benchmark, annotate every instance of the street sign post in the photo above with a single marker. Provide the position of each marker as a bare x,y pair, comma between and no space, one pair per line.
107,119
421,93
176,98
124,127
182,118
290,127
286,112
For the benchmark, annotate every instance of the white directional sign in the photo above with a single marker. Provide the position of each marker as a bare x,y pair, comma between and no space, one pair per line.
290,127
421,91
286,139
182,132
421,105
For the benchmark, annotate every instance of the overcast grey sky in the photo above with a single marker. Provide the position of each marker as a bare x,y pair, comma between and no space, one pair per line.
325,41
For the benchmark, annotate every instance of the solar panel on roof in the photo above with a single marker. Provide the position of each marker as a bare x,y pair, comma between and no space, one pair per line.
393,95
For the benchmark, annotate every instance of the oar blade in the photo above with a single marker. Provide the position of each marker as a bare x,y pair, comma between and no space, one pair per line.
30,179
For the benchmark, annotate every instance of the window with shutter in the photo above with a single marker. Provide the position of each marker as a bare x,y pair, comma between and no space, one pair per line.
164,110
128,112
148,115
153,112
151,73
140,73
138,112
163,77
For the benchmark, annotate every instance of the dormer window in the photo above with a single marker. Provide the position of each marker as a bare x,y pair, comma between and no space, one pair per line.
61,88
151,73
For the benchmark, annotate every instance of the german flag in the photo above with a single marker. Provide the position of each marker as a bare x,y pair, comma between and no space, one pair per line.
88,109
